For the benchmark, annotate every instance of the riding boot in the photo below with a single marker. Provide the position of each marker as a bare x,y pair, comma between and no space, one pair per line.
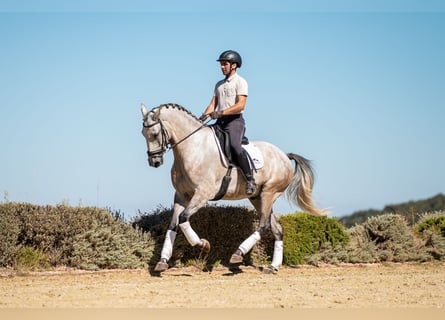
243,163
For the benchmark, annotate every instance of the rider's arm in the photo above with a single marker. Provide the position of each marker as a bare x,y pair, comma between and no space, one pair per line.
211,107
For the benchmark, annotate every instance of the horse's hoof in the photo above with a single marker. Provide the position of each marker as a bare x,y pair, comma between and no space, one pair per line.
236,258
161,266
205,246
269,270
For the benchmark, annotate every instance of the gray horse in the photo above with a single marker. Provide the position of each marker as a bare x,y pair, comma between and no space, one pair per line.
197,173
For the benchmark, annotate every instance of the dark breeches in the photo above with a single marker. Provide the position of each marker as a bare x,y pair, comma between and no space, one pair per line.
235,126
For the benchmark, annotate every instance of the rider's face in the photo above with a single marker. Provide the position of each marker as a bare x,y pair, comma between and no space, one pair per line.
226,68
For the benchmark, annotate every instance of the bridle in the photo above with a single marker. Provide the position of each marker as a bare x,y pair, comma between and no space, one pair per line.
164,140
165,145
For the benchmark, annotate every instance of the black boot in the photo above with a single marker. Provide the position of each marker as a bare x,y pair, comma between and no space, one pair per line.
243,163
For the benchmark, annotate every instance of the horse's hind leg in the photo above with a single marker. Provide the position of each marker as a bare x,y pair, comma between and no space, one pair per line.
277,231
263,206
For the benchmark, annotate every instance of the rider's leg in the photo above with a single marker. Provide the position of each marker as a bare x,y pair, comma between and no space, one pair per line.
236,129
244,165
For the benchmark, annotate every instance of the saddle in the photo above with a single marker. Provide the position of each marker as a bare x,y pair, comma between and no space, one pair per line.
224,142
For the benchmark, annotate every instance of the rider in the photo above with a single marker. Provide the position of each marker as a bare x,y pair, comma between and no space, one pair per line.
227,106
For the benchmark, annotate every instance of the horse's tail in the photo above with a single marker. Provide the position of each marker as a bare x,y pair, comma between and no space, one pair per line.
300,189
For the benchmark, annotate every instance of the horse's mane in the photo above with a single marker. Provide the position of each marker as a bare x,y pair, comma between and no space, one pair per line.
175,106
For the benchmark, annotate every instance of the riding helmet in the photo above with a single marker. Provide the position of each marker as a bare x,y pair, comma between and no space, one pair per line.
231,56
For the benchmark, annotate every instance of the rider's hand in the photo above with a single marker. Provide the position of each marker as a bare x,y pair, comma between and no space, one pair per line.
216,114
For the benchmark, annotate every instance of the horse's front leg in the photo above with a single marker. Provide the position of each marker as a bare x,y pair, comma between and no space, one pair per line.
170,236
198,200
183,210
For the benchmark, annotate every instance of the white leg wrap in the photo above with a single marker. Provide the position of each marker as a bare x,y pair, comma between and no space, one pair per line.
167,248
248,244
277,259
190,234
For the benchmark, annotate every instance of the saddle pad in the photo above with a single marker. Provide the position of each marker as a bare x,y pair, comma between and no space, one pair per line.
254,153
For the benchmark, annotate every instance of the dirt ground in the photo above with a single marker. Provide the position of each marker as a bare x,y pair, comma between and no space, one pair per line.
350,286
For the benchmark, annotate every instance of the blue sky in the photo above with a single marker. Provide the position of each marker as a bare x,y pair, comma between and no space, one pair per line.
355,86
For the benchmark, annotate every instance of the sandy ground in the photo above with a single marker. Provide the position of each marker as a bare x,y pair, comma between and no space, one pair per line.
368,286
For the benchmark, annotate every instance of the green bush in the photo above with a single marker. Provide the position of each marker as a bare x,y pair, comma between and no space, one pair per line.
431,228
30,259
435,222
304,235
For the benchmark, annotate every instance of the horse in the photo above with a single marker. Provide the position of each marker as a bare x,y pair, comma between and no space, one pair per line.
198,170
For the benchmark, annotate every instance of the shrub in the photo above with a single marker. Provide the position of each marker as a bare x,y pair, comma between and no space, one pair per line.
431,228
304,235
65,234
393,238
383,238
110,245
9,233
30,259
435,222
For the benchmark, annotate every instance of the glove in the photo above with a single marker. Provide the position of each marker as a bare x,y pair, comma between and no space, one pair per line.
203,117
216,114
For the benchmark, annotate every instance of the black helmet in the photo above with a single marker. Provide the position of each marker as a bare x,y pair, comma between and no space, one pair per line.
231,56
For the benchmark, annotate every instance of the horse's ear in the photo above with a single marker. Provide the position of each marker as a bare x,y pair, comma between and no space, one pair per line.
144,110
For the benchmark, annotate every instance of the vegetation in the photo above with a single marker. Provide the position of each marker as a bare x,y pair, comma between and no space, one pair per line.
383,238
305,234
39,237
83,237
432,230
224,227
411,210
30,259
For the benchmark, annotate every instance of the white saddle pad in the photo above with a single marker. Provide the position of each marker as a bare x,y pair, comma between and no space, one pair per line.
255,154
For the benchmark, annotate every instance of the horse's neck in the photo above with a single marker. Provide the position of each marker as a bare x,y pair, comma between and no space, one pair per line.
179,125
192,142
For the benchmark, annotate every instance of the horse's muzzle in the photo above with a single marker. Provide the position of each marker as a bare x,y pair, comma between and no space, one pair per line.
155,162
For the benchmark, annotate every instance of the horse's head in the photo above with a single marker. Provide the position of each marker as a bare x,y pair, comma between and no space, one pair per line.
155,136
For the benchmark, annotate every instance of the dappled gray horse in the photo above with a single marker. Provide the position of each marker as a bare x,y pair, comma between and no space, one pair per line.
197,173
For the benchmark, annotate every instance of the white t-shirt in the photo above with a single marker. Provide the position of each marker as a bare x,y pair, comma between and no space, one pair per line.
226,91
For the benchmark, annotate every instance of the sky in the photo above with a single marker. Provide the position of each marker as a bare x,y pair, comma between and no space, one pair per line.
357,87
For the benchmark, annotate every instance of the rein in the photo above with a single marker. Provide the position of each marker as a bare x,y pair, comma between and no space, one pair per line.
189,135
165,145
